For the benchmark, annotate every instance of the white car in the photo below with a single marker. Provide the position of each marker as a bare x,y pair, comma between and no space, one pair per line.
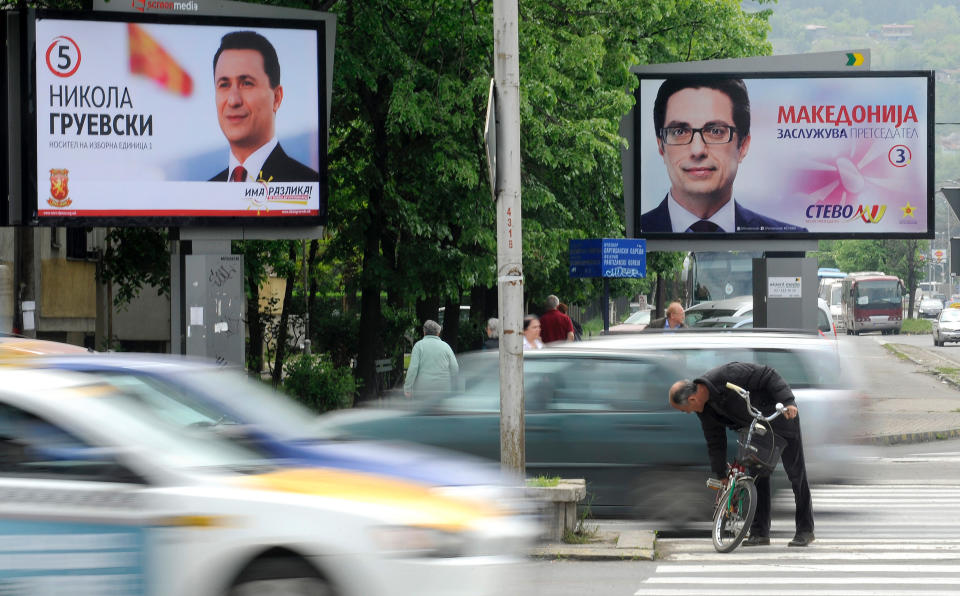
946,327
98,495
930,307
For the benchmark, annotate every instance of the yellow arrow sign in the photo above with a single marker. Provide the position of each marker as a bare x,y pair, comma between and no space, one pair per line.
854,59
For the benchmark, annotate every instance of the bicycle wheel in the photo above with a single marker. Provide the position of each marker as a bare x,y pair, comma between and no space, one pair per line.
734,514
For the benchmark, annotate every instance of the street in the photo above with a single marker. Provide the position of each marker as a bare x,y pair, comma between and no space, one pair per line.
894,529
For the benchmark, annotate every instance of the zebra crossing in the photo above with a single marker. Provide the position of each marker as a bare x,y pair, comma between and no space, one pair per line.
871,540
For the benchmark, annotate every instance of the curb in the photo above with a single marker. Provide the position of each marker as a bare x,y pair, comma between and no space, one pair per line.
907,438
619,546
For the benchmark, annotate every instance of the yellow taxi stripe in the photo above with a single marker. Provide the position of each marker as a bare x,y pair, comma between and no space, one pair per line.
426,507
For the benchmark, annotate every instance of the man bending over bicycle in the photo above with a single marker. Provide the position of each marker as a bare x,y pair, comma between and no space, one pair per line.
720,408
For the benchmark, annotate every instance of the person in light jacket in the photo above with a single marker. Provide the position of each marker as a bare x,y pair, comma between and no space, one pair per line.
433,366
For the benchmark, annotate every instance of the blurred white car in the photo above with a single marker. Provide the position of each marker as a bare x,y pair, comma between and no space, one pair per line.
102,496
946,327
930,307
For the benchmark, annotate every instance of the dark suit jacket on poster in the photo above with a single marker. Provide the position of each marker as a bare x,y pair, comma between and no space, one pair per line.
658,220
281,167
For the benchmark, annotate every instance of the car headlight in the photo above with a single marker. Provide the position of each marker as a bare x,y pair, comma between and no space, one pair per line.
418,541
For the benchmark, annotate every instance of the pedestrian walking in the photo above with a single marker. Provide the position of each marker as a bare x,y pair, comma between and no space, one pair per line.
433,366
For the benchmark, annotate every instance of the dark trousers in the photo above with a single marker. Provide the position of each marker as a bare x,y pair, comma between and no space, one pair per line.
793,465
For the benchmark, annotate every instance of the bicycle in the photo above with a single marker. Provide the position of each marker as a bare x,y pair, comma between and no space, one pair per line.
737,502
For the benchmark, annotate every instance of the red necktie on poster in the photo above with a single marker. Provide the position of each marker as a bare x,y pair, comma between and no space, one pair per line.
239,174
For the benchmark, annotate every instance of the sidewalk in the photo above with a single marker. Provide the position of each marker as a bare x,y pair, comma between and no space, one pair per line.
917,419
894,421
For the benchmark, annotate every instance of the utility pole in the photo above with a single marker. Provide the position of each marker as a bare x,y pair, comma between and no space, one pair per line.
506,72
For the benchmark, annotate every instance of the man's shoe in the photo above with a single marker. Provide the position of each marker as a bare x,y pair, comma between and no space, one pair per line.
801,539
756,540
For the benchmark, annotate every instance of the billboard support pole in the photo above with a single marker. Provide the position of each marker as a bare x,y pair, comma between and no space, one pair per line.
506,67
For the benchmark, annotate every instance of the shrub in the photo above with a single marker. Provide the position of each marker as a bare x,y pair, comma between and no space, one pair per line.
317,384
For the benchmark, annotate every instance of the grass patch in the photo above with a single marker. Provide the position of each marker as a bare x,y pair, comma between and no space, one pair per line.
948,371
543,481
890,348
916,327
581,533
593,327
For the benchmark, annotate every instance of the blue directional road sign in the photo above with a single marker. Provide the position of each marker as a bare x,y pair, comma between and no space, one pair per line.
608,257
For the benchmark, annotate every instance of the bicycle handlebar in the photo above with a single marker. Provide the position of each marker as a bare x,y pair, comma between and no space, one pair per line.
755,412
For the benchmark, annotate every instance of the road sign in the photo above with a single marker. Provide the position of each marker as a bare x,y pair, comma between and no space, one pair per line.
608,257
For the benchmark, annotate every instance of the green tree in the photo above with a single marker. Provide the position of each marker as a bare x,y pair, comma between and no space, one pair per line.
413,205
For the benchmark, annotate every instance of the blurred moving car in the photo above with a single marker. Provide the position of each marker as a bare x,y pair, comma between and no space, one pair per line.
946,327
930,307
637,321
598,410
201,394
103,496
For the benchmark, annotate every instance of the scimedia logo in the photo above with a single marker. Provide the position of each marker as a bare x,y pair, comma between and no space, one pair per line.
870,214
58,188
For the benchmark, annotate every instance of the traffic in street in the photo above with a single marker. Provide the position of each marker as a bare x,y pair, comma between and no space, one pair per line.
892,529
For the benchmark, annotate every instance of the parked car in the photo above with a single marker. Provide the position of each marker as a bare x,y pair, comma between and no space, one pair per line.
103,496
930,307
738,306
946,327
598,410
744,320
637,321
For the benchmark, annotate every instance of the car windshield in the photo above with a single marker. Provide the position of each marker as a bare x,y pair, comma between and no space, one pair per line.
641,317
950,315
693,316
878,292
216,397
140,425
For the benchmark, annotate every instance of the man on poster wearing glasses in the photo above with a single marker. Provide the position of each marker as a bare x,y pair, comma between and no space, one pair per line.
703,133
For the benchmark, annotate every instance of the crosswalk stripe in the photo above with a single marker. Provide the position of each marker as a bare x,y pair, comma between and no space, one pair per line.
736,569
899,541
699,591
800,580
800,555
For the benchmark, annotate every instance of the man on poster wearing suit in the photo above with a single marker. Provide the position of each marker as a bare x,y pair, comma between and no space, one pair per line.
703,133
246,73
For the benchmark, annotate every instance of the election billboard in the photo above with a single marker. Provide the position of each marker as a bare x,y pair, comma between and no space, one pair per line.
784,155
146,119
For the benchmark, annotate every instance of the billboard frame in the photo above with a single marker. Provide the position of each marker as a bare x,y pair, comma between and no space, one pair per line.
661,237
30,195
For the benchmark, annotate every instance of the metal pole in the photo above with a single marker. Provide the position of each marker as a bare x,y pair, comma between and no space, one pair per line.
306,301
506,71
606,305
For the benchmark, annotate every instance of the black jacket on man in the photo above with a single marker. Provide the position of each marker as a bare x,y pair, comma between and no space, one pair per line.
726,409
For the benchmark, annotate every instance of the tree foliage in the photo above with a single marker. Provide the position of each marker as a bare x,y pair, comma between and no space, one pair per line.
133,258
